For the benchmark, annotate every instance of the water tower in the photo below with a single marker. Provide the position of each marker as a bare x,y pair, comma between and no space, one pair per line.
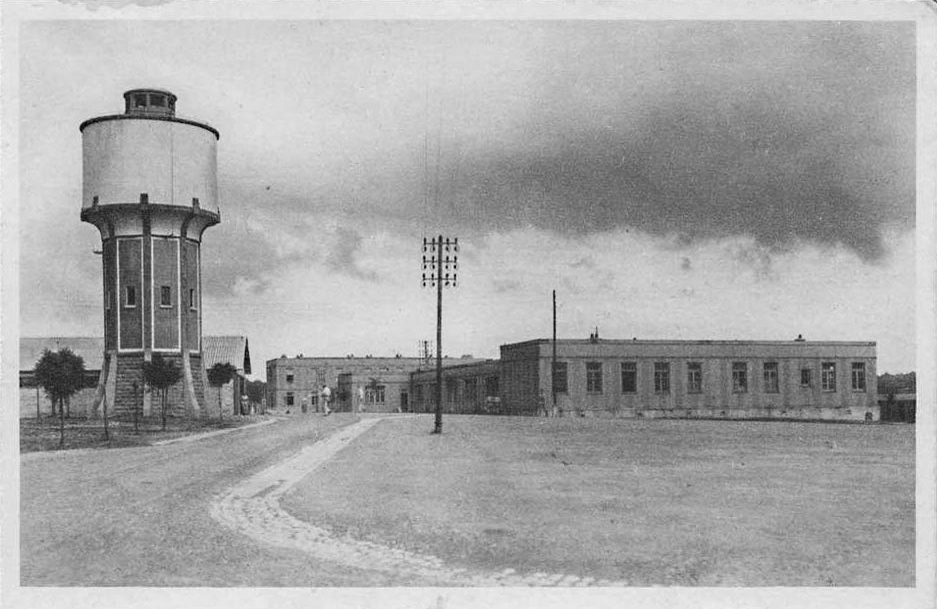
150,187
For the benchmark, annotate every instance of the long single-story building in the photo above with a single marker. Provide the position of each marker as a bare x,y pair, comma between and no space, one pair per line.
794,379
215,349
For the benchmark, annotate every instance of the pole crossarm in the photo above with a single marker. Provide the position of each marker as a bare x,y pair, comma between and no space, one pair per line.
440,261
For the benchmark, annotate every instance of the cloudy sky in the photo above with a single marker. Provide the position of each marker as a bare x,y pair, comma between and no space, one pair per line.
669,179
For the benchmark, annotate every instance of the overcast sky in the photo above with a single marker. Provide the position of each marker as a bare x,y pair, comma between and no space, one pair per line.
671,180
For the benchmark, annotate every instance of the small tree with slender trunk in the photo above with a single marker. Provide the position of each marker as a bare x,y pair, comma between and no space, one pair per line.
219,375
61,374
161,374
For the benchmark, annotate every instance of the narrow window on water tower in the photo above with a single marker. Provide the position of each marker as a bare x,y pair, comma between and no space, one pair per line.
130,297
165,296
192,302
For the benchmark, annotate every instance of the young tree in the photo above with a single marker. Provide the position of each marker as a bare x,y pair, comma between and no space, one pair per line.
161,374
61,374
219,375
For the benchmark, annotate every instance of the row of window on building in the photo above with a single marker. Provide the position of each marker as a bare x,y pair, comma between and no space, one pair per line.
165,297
374,395
470,389
694,377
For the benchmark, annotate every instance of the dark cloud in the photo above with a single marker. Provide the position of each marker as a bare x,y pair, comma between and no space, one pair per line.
818,150
231,252
783,133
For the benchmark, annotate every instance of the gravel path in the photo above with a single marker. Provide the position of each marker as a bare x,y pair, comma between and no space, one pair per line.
252,507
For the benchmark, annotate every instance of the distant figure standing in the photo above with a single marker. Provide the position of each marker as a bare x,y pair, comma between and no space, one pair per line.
360,399
304,406
542,405
326,395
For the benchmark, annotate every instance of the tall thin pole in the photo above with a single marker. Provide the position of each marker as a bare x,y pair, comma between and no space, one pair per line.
433,263
438,427
553,364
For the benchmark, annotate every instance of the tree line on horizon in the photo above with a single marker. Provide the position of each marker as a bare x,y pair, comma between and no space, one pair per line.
894,384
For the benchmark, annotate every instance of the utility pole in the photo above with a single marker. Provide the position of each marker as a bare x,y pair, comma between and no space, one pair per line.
553,364
435,263
425,352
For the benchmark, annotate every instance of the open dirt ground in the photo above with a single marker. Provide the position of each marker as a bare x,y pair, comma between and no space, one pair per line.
634,502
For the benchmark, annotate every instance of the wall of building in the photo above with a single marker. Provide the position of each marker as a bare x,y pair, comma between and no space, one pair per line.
231,403
898,408
166,316
310,373
373,392
81,402
190,283
130,275
717,396
467,389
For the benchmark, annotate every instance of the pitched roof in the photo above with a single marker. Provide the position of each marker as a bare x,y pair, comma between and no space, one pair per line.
215,349
231,349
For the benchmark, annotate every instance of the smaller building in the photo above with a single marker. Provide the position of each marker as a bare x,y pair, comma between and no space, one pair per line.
293,381
233,350
33,400
470,388
899,407
373,392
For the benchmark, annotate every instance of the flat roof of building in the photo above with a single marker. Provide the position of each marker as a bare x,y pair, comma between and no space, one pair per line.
636,341
448,361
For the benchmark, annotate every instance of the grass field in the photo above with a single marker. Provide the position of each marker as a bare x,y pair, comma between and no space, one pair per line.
43,434
706,503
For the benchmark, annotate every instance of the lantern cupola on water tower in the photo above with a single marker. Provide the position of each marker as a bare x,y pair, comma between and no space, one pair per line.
150,187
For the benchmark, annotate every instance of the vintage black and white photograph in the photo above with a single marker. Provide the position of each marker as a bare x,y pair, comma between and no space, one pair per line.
461,305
